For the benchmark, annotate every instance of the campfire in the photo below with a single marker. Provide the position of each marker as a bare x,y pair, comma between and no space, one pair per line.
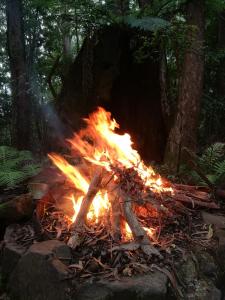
113,195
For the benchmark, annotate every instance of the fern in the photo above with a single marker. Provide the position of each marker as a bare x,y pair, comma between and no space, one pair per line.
212,163
211,156
11,178
147,23
7,153
16,166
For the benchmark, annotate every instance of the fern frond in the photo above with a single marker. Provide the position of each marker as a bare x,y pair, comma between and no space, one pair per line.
16,166
220,168
11,178
211,156
7,153
147,23
31,169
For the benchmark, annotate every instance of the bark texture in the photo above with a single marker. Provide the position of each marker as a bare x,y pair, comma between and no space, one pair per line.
183,133
221,46
20,85
107,73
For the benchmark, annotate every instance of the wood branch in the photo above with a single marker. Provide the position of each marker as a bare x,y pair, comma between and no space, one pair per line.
116,219
138,232
184,198
191,188
115,215
77,226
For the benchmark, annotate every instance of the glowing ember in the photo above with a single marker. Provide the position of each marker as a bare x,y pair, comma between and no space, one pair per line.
99,144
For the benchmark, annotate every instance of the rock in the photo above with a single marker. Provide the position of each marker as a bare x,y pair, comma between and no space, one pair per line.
217,220
40,274
204,290
198,273
94,292
188,271
13,248
207,264
152,286
10,257
53,247
17,208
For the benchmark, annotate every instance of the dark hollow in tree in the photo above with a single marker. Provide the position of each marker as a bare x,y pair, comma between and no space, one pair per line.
108,73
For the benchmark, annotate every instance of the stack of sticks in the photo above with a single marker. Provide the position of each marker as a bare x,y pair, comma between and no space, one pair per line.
128,192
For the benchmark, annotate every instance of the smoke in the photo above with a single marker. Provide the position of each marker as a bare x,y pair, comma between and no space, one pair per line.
56,130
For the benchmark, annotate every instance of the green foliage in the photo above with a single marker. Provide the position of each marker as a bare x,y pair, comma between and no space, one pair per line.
211,156
212,164
146,23
16,166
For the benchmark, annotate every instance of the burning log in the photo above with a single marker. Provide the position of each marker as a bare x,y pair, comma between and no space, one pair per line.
76,227
115,212
116,218
138,231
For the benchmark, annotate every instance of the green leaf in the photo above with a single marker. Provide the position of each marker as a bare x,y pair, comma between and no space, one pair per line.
31,169
16,166
11,178
147,23
7,153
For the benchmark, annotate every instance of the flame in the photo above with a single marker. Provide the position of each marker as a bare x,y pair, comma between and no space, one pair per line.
99,144
129,236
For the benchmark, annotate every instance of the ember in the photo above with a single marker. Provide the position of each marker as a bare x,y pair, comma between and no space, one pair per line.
115,197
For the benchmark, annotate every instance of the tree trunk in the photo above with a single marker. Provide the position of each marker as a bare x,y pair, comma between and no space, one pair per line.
183,133
221,46
144,3
108,74
20,86
118,7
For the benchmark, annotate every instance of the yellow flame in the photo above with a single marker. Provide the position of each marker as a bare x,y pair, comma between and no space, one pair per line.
99,144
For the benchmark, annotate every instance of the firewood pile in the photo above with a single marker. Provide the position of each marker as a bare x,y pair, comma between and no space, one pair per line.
120,215
108,248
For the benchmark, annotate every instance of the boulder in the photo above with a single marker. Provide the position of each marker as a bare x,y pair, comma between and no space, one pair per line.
151,286
40,274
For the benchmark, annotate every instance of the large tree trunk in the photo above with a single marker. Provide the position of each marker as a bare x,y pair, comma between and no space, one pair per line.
20,86
184,131
107,73
221,46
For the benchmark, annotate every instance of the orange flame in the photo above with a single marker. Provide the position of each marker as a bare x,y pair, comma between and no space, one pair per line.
99,144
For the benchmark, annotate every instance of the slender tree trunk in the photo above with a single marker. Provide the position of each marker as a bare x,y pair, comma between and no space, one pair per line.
184,130
67,53
221,46
20,86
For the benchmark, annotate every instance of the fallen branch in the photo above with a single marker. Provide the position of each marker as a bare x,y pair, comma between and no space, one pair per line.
184,198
